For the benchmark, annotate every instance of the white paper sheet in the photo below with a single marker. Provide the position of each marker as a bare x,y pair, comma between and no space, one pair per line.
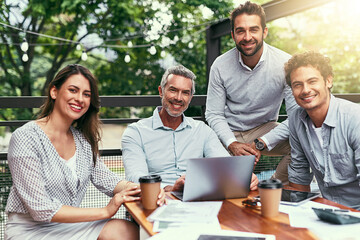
160,226
177,211
190,233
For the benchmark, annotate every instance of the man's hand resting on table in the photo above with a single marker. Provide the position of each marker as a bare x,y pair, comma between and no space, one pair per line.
178,186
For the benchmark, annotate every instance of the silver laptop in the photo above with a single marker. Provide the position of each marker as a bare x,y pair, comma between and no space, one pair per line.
217,178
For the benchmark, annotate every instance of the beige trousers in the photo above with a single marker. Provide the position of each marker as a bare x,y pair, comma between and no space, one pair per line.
282,149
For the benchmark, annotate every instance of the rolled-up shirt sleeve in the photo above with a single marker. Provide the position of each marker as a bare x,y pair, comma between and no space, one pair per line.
28,183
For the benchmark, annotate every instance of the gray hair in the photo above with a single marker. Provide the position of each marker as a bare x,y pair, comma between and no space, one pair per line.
179,70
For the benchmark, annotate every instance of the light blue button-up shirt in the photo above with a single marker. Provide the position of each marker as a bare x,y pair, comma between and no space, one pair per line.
338,175
151,148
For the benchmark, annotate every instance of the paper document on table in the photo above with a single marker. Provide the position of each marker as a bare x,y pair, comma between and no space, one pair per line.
305,206
195,233
303,216
212,223
177,211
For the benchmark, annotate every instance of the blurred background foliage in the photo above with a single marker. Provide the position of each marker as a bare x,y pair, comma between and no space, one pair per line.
176,28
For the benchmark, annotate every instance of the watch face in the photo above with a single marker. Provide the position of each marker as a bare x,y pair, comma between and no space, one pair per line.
259,145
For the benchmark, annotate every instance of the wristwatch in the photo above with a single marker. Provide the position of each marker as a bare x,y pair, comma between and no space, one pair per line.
259,145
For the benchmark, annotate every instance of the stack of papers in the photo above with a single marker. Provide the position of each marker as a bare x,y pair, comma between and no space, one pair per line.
178,214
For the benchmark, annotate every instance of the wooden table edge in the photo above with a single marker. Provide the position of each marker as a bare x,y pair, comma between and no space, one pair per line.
146,225
139,214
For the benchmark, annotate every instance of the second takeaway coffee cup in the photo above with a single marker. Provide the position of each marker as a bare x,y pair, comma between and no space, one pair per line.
270,195
150,190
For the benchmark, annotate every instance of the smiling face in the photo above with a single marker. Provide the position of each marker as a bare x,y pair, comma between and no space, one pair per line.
72,100
310,90
176,95
248,35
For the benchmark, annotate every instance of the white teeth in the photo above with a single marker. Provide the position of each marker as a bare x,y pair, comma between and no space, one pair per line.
307,98
76,107
176,105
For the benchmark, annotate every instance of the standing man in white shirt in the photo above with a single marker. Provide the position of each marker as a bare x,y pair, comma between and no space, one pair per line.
246,89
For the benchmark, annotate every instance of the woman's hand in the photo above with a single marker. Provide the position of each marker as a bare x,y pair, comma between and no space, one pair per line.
161,198
254,182
129,194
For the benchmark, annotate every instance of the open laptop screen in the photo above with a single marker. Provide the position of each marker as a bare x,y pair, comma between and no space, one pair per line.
217,178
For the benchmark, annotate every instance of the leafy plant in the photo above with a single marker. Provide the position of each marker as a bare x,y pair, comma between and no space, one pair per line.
5,185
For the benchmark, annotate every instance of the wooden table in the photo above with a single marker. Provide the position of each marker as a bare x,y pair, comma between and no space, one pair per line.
234,216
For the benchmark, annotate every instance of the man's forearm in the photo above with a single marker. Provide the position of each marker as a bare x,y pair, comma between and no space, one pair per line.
276,135
305,188
168,188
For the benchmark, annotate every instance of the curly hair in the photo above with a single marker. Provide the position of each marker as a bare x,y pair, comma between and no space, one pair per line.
248,8
316,60
89,123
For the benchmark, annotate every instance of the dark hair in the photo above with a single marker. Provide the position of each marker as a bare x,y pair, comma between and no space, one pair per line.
316,60
248,8
89,123
179,70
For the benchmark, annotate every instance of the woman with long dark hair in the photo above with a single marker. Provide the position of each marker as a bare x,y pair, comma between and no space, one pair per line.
52,161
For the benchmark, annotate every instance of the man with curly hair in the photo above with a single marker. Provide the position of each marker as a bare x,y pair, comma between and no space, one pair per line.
324,132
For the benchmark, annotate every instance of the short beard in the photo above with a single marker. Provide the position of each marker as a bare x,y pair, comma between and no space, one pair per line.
166,107
258,47
171,114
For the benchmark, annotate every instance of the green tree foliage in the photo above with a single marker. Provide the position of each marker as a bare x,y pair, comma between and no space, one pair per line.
174,27
98,24
6,182
330,29
180,35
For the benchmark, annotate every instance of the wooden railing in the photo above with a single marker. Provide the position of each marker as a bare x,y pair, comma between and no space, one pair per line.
120,101
106,101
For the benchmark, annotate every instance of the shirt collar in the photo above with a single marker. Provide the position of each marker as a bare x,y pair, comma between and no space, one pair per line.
303,115
331,116
157,123
262,58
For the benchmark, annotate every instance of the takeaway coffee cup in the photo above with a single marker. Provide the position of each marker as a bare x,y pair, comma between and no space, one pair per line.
270,195
150,189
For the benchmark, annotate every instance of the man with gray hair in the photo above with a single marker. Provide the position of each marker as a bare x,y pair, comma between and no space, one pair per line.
161,144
